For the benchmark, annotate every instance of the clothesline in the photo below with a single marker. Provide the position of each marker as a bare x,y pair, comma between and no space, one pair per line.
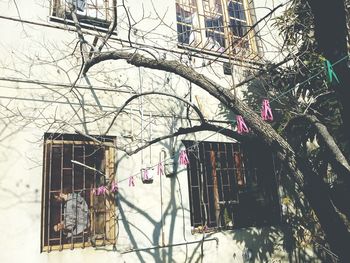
241,128
308,79
176,155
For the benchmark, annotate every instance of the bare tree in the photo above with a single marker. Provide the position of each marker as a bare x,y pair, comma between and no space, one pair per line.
96,48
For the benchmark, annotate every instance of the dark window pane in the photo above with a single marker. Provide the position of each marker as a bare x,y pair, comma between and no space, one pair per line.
236,10
238,28
223,160
194,173
228,195
56,167
67,181
184,33
211,206
246,191
196,213
224,177
209,174
67,155
184,25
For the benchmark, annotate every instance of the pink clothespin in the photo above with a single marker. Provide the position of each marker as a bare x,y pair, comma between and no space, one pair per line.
183,159
131,181
101,190
145,174
241,126
160,168
114,187
266,112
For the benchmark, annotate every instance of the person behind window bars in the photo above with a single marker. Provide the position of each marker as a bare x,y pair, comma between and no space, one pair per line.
75,214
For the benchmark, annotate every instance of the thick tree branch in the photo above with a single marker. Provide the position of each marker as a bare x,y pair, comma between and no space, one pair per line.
337,158
217,91
260,127
330,143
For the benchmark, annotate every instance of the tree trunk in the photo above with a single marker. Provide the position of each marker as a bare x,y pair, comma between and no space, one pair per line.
317,193
331,35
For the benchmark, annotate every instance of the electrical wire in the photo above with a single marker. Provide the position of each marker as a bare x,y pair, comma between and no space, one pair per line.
308,79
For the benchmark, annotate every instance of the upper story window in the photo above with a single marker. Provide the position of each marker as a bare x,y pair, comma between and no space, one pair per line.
96,13
215,25
73,215
230,187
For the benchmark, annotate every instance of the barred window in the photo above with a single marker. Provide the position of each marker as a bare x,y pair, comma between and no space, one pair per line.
230,186
216,25
96,13
72,214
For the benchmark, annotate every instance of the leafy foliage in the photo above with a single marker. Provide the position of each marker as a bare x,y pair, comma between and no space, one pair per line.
296,89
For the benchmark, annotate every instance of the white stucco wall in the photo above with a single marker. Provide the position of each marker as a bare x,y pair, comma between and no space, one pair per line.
36,52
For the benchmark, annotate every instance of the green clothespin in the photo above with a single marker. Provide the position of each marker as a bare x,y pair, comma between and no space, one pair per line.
330,71
233,123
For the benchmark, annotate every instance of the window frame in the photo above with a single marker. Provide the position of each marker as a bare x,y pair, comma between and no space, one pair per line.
201,41
108,201
85,21
251,183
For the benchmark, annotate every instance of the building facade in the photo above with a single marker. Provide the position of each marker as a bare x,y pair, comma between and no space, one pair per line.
81,180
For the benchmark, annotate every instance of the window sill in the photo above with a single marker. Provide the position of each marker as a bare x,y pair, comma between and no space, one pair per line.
201,229
87,244
70,22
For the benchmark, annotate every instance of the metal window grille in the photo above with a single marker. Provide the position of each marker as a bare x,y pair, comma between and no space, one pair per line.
184,17
89,12
229,187
216,25
93,220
